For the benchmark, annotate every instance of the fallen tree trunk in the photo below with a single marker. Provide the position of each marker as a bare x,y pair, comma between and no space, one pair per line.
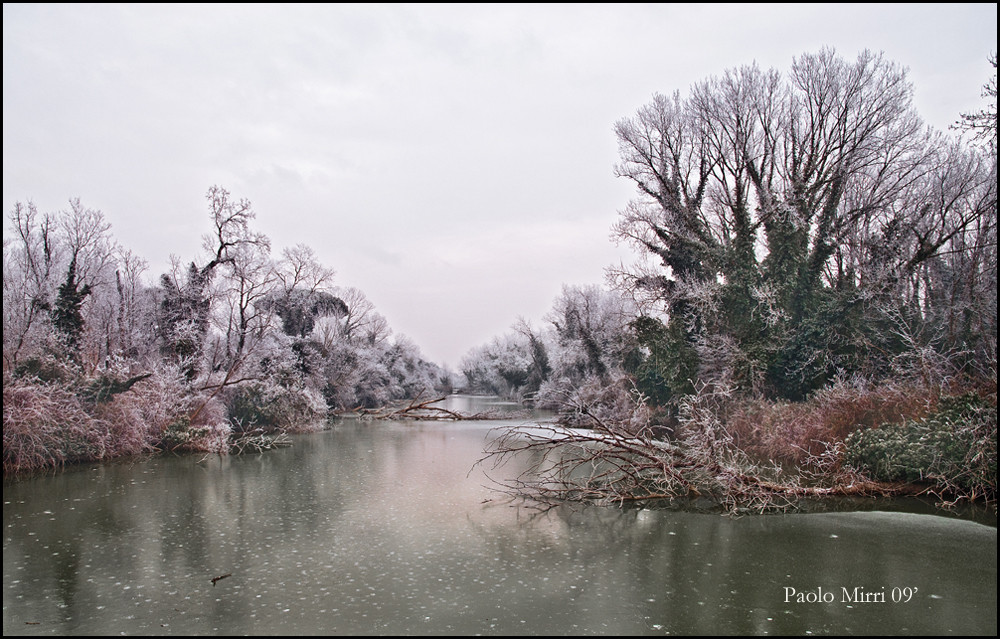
257,442
611,466
625,461
426,411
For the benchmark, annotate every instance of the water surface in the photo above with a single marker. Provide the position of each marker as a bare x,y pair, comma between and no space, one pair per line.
381,528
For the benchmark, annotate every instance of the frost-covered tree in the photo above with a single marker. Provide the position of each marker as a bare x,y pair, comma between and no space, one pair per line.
501,367
133,307
786,213
188,295
249,280
31,261
184,316
412,375
361,323
303,293
231,343
591,326
591,337
585,339
983,123
54,264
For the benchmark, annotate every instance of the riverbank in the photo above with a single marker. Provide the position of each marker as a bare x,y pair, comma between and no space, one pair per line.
750,455
747,455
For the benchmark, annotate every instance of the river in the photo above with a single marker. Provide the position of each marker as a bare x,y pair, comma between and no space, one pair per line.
386,528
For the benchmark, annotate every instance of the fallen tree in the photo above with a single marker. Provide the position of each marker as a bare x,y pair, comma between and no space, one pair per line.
257,442
425,410
617,461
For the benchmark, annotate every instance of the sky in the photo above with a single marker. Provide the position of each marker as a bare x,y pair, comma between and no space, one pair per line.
454,162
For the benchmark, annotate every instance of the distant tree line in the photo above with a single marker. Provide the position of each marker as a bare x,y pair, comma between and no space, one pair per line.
239,341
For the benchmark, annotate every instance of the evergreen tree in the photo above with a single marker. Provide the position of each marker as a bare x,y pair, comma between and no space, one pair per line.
67,317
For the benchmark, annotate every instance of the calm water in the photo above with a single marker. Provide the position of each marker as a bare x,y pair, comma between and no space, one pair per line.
380,528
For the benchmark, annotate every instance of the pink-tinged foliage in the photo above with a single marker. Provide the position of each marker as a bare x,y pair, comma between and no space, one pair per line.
45,426
803,433
228,343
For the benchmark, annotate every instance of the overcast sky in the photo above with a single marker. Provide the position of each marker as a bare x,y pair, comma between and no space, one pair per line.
453,162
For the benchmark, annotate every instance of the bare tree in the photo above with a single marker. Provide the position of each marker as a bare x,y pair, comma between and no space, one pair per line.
300,270
983,123
187,304
87,236
230,228
303,294
250,279
52,264
134,317
31,258
362,322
